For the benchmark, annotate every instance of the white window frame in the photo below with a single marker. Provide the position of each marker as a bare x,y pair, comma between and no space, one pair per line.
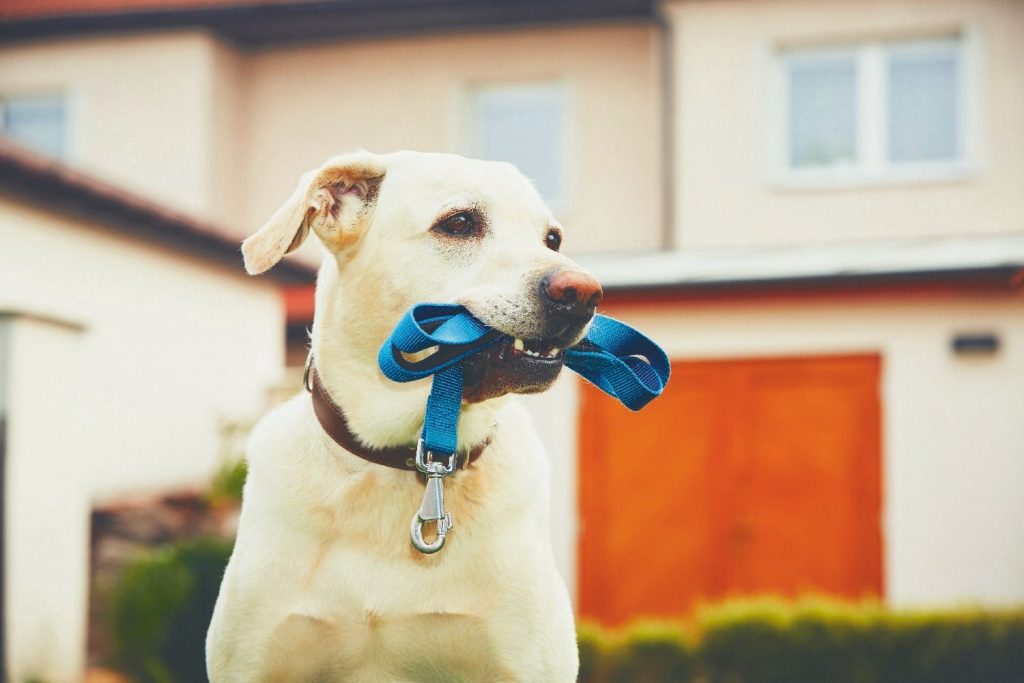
872,166
472,134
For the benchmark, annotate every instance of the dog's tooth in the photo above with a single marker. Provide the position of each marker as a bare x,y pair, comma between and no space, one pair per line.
519,344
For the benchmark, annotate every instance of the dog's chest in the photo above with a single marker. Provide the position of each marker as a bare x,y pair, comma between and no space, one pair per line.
372,646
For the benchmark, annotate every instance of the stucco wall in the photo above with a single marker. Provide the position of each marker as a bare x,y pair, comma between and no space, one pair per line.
305,103
160,330
140,108
724,190
47,502
121,395
953,449
190,121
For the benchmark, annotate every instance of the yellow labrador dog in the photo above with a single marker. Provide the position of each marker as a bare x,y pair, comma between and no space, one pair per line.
324,584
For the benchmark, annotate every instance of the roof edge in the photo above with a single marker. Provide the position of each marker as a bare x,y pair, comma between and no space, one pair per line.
1004,277
265,24
994,259
37,180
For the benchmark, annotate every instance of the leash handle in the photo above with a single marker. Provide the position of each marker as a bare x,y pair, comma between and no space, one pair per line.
457,335
621,362
450,327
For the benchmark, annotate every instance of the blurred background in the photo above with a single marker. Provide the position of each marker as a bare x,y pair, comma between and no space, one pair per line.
817,207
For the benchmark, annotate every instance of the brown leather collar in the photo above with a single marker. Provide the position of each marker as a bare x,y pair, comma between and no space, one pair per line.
334,423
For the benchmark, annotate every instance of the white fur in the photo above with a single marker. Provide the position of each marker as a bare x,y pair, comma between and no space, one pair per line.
323,584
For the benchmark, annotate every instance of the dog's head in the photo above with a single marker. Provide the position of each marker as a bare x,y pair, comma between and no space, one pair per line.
410,227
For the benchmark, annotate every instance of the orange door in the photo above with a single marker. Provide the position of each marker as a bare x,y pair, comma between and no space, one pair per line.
746,477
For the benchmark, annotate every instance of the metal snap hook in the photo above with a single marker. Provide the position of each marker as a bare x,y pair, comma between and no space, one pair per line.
432,507
443,526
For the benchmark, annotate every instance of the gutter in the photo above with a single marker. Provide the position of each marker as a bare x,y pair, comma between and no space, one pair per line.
996,277
668,128
988,260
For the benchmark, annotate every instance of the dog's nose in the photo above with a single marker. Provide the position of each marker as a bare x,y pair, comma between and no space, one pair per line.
572,291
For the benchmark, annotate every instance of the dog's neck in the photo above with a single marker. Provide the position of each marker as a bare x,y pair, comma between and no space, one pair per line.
379,412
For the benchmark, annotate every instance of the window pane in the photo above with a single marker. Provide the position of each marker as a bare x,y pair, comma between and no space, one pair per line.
37,123
924,88
524,125
822,110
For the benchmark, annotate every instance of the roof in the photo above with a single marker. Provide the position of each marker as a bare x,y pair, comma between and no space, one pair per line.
36,179
259,23
992,258
995,261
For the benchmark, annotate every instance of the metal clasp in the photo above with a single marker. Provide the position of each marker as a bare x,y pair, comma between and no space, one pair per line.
307,372
432,507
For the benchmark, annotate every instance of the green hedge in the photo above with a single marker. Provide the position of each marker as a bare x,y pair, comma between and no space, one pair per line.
770,641
161,609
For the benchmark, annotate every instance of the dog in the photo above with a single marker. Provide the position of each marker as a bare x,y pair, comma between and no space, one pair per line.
323,583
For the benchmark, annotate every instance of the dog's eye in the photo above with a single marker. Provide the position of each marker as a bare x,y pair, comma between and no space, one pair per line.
553,240
462,224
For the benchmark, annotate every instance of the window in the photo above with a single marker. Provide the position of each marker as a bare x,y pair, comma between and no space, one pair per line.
923,91
822,110
527,126
35,122
875,111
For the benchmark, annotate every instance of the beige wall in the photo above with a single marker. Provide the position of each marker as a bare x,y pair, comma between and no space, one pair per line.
724,192
227,129
953,447
192,122
161,330
304,104
122,397
46,504
141,108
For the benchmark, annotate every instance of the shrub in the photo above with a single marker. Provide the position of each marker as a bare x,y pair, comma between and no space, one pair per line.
162,607
771,641
954,647
229,479
228,482
593,645
651,652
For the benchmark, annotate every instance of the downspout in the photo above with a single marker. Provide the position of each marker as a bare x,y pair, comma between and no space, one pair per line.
5,336
668,130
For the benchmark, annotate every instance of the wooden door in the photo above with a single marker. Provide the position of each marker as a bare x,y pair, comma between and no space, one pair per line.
746,477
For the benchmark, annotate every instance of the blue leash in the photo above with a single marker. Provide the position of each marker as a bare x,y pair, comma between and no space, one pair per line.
613,356
616,358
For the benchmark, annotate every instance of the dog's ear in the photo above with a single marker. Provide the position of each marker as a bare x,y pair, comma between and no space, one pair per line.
334,201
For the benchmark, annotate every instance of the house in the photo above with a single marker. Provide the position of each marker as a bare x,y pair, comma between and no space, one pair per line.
127,333
815,207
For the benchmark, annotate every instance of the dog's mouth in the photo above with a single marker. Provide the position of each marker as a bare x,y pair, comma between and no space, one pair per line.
538,350
521,366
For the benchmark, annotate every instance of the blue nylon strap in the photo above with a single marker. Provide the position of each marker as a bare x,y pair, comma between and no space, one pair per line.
614,361
456,333
441,421
617,359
